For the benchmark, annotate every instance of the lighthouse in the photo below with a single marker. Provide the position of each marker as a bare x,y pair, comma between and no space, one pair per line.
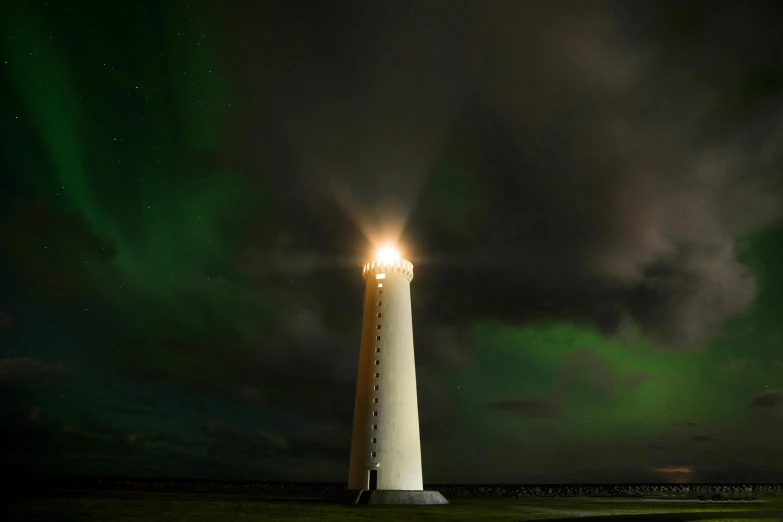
385,465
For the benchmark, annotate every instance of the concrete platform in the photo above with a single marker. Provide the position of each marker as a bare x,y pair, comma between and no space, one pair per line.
391,496
388,496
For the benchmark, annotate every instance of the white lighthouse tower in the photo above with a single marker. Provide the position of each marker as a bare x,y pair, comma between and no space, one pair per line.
385,463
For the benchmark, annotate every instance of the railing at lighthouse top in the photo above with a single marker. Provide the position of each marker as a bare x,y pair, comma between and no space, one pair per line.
388,261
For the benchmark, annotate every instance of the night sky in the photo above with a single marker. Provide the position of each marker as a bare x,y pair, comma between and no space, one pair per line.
589,192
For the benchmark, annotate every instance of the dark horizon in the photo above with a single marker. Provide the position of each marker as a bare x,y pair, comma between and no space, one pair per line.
39,479
590,193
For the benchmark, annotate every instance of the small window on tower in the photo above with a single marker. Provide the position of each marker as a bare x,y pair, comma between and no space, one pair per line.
377,375
377,363
380,276
375,414
377,337
372,453
380,285
377,350
375,426
380,292
375,400
379,303
376,387
374,440
377,327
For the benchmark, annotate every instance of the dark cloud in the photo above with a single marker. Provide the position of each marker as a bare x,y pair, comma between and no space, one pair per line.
610,187
737,366
635,380
126,410
587,368
141,404
546,432
238,444
256,372
702,439
740,471
768,400
686,424
34,443
645,225
21,370
5,322
149,402
446,347
158,436
100,427
527,406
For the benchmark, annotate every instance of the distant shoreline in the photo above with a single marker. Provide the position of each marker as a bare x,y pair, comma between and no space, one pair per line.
694,492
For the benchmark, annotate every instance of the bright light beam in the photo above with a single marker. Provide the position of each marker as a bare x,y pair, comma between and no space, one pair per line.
387,253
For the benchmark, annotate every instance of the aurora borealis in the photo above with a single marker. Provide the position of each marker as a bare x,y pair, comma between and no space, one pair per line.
589,193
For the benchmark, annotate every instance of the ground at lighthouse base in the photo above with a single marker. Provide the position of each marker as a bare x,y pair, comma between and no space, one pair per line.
150,506
389,497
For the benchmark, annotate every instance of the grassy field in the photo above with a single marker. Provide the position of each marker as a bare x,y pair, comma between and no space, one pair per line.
155,507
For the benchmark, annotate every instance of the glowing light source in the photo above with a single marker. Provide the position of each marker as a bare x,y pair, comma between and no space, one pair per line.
674,469
380,276
387,253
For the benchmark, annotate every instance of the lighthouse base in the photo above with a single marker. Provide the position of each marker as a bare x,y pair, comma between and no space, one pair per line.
390,496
